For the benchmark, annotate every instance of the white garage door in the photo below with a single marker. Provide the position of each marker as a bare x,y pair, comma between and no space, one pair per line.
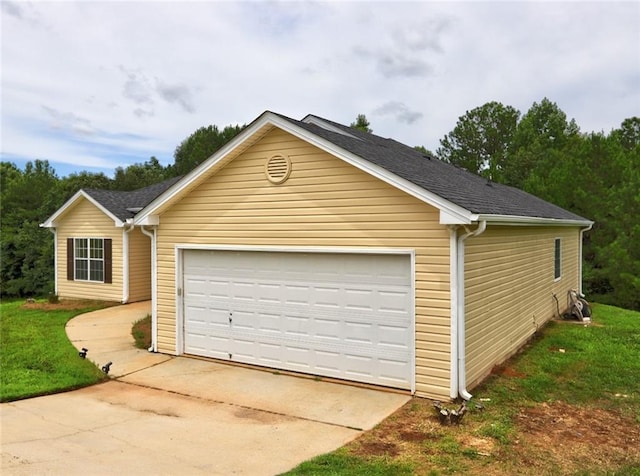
345,316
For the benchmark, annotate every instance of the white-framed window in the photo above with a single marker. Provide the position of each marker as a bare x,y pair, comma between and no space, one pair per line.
89,259
557,259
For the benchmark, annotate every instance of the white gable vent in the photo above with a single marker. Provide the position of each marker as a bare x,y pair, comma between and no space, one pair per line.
278,168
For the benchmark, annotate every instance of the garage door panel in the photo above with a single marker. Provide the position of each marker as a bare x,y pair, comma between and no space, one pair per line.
338,315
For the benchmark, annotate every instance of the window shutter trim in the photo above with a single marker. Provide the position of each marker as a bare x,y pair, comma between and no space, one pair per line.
70,262
108,261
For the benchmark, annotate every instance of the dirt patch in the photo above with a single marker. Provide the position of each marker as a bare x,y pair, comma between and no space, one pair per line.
68,305
549,438
506,371
379,448
569,436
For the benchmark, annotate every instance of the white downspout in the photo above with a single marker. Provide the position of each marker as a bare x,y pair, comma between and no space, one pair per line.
580,258
55,259
460,305
453,284
154,289
126,229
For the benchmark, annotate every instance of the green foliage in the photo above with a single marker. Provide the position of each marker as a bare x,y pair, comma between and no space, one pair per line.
201,145
596,176
36,356
481,139
140,175
26,267
69,185
424,151
362,124
141,332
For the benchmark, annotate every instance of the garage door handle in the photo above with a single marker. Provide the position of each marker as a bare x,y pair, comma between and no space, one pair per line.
230,317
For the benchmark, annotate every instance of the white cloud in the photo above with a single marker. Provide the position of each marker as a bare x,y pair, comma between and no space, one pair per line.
111,83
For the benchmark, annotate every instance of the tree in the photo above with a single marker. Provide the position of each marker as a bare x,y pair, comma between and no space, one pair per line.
481,140
540,135
201,145
139,175
26,268
69,185
424,151
362,124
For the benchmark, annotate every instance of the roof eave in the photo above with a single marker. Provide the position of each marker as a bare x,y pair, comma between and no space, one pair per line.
529,221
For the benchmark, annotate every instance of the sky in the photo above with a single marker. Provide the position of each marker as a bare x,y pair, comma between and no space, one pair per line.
95,85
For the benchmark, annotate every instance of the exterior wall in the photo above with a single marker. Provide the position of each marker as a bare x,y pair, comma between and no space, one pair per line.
86,221
327,203
509,280
139,266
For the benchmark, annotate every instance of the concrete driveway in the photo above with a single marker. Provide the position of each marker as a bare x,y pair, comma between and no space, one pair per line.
177,415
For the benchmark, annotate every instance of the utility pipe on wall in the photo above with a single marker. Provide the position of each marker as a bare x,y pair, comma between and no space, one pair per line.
460,324
55,259
582,232
154,289
127,227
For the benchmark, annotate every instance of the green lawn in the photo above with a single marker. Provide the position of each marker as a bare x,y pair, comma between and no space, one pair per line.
592,369
578,364
589,371
36,357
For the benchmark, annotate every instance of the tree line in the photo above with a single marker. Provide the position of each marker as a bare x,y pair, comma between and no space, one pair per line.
595,175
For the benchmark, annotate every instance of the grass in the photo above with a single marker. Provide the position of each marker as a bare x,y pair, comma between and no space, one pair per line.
340,463
584,365
568,403
141,332
36,357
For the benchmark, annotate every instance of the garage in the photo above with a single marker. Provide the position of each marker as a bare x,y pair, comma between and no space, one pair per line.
340,314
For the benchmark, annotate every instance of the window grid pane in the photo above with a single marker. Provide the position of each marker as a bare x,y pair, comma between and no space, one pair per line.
81,248
89,259
96,248
82,269
96,271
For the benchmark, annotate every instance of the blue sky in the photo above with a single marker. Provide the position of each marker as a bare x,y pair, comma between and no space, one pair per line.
99,85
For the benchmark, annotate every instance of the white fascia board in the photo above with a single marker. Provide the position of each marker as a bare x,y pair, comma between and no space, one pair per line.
528,221
51,221
447,218
176,189
149,220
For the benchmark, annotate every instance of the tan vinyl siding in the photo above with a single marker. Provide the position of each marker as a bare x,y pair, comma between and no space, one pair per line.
139,266
84,220
509,289
324,203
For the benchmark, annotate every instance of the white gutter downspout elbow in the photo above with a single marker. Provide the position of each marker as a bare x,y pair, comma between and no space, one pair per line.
154,289
460,325
127,227
580,258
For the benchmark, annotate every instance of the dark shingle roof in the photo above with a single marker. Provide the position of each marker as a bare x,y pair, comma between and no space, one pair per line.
121,204
452,183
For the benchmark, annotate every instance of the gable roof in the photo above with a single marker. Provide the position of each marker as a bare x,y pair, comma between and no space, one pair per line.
467,190
124,205
117,205
461,197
